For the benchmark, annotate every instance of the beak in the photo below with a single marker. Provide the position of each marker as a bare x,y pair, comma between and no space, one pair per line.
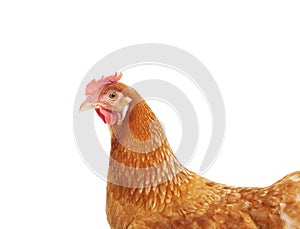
87,104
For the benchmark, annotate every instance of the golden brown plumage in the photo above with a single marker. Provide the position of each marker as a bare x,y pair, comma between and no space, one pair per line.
148,187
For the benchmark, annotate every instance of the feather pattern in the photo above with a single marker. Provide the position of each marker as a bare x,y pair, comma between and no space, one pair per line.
148,187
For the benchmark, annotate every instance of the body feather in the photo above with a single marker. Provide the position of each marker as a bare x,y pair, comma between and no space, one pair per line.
148,187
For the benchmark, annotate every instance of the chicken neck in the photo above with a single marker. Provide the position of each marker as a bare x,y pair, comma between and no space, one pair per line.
141,156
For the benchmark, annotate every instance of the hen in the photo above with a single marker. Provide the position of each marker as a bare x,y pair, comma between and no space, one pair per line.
148,187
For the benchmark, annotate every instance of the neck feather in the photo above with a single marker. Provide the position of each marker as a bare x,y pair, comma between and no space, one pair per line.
140,153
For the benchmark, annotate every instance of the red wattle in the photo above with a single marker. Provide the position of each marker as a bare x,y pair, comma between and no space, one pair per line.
100,114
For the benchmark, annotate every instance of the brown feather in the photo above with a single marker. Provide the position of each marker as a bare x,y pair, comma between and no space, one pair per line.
148,187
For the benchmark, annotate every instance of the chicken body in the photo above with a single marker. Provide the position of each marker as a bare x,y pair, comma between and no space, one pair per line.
199,203
149,188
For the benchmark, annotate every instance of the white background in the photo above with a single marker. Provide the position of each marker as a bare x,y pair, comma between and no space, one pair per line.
251,48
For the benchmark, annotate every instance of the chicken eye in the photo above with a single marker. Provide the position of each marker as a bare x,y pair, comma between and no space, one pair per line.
112,95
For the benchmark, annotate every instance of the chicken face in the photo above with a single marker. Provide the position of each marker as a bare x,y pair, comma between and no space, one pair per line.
112,107
109,102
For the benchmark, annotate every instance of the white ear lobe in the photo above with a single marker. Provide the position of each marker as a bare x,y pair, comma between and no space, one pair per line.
126,100
124,111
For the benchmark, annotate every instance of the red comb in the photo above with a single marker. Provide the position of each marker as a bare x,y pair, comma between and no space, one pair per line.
94,87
